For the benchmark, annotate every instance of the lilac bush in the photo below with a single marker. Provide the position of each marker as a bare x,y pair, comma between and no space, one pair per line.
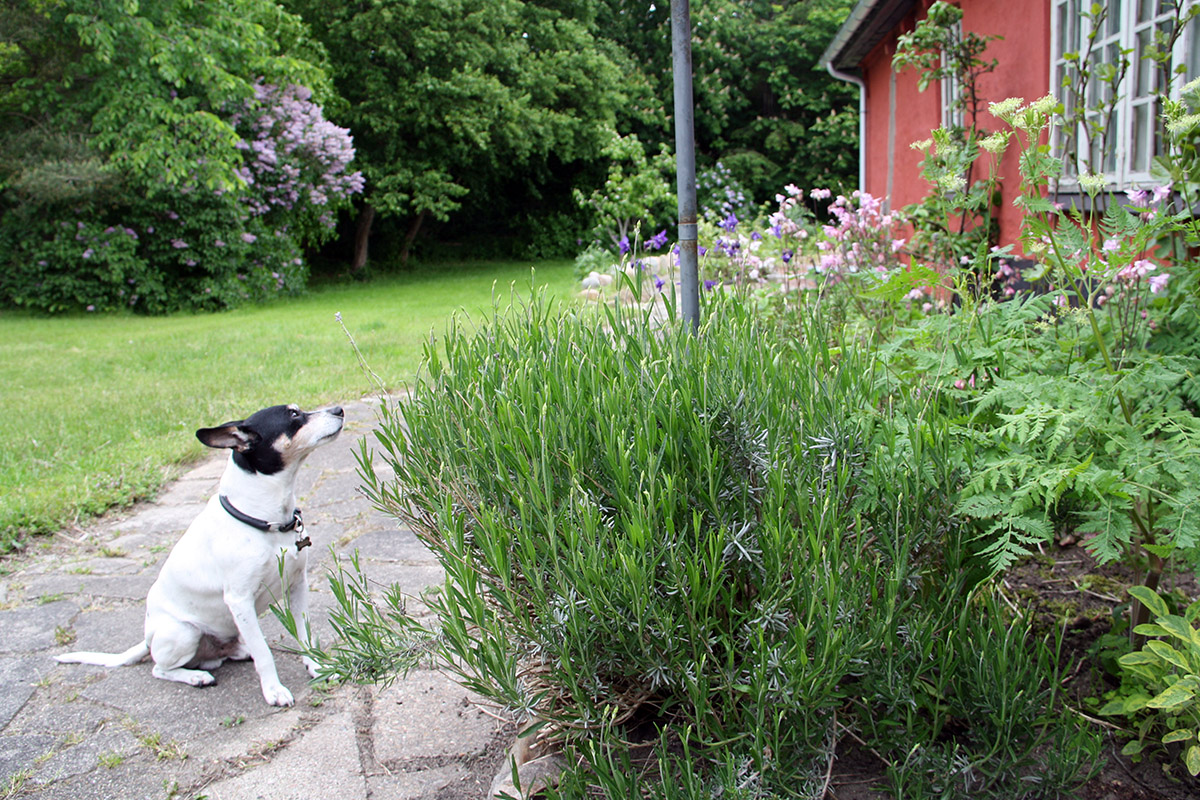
193,246
720,194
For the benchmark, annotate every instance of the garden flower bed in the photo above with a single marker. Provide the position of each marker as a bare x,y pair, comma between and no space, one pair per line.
828,539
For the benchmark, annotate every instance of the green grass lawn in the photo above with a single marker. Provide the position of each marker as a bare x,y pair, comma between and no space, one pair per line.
99,411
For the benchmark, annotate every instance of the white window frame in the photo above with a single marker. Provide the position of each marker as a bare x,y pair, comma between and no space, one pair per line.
1134,139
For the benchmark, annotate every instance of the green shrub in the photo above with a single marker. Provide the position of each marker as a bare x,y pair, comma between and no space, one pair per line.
595,259
1162,681
195,252
724,543
57,263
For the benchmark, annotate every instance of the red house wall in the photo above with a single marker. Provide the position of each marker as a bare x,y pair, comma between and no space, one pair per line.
1023,71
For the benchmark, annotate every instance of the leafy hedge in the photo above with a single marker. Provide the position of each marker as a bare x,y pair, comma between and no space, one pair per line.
198,253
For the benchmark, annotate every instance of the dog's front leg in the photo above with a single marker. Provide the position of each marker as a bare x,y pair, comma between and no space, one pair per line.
246,617
298,603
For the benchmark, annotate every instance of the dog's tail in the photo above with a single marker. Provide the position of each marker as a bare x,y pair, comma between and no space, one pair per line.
131,656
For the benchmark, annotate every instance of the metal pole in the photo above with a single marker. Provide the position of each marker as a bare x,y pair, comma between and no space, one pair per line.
685,161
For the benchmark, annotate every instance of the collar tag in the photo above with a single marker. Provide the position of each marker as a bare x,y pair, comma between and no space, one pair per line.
302,541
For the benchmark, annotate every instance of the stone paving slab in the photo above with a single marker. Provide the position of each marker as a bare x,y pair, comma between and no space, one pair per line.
405,785
31,628
104,587
427,717
89,733
326,755
19,677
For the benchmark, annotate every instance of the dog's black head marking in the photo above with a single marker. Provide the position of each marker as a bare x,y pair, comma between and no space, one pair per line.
269,441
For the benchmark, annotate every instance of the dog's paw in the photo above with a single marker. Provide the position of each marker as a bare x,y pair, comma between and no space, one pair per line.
278,695
310,665
192,677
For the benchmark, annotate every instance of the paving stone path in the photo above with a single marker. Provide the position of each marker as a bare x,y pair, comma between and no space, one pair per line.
77,732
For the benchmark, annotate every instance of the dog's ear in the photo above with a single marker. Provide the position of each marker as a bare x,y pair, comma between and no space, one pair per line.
231,434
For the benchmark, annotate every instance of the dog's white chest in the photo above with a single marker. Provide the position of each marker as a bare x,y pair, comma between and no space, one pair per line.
284,569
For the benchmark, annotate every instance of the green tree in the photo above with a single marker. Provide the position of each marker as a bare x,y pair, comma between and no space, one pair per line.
146,87
786,119
637,189
453,97
764,106
133,139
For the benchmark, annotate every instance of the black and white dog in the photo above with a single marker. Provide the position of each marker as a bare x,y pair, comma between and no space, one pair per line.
224,572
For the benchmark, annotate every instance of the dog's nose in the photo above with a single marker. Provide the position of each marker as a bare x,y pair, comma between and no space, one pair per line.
337,411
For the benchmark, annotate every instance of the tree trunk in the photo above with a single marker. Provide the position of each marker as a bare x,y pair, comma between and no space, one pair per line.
413,230
362,235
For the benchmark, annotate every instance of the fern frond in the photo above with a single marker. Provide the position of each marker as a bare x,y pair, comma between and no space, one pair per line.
1013,538
1112,529
982,506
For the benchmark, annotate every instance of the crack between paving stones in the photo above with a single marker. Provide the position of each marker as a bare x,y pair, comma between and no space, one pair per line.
364,723
478,765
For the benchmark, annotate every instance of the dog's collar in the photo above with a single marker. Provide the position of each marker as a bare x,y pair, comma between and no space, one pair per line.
296,523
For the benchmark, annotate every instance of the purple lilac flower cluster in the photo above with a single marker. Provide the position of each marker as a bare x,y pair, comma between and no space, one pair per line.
295,155
92,241
720,194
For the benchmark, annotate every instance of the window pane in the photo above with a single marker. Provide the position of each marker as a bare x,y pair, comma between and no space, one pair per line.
1067,37
1093,88
1113,57
1143,67
1193,49
1113,24
1158,129
1141,139
1111,148
1069,98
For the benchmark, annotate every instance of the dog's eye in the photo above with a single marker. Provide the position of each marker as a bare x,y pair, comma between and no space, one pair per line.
295,413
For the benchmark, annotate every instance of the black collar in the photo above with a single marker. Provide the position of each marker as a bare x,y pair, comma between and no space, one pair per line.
296,523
